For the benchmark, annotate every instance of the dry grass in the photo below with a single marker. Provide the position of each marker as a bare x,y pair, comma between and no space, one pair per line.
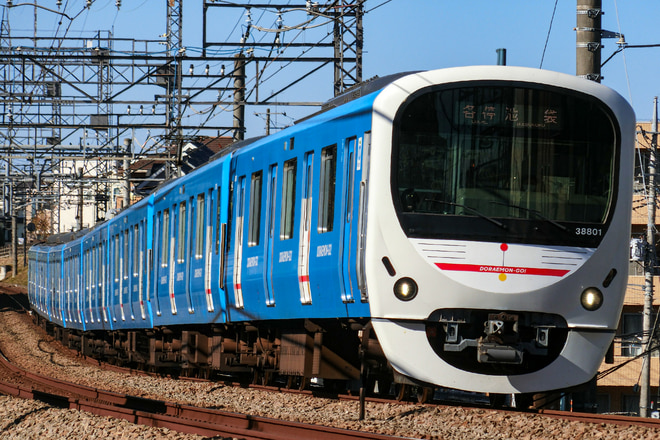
22,273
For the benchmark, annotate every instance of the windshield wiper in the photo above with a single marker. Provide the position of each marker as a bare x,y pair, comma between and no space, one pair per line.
534,212
479,214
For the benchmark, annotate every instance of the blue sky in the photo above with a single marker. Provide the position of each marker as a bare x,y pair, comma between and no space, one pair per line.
402,35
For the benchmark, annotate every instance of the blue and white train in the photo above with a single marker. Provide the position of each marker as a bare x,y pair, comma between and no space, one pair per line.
464,228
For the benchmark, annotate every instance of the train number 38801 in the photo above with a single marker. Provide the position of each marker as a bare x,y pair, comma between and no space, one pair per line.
589,231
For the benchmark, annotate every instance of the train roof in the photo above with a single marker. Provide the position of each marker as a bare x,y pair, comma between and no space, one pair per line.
357,91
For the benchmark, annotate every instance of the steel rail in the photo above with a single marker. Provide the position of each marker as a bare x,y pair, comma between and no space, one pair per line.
157,413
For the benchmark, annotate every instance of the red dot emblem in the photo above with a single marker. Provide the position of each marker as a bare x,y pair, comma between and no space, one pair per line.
504,247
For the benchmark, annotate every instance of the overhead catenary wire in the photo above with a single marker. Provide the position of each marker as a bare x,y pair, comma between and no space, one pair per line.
547,37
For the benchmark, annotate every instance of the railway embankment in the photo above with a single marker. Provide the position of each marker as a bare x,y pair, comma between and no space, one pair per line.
29,347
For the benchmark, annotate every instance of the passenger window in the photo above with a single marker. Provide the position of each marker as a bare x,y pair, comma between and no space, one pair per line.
288,199
199,229
115,249
125,260
217,221
182,232
255,209
166,237
136,250
327,188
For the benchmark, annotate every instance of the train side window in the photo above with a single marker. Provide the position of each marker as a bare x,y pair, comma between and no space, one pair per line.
182,233
327,188
288,199
136,250
126,260
255,209
199,228
115,250
217,222
164,243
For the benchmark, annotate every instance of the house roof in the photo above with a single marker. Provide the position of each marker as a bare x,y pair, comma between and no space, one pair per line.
195,153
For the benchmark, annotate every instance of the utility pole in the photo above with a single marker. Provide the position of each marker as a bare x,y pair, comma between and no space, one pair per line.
239,98
649,269
588,39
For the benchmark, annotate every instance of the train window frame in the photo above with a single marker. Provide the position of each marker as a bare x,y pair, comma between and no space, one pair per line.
182,228
271,196
165,238
199,226
288,207
254,220
115,254
136,250
126,246
327,189
218,217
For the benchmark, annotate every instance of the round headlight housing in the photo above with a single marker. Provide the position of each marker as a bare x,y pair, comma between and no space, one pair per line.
405,289
591,299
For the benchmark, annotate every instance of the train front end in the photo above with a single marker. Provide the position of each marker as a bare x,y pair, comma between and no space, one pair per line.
498,226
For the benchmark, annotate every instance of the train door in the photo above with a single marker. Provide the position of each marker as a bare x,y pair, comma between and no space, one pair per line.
363,167
87,286
305,227
208,250
69,288
103,279
270,231
123,242
219,246
189,255
162,286
140,256
348,235
133,268
151,233
173,257
60,283
238,241
96,270
114,277
79,285
221,219
180,266
196,269
129,270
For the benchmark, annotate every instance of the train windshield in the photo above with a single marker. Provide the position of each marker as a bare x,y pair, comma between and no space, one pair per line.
500,162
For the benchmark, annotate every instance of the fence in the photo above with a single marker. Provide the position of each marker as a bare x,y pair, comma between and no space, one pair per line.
5,251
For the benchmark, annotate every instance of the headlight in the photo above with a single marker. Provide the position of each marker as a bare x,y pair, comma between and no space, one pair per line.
405,289
591,299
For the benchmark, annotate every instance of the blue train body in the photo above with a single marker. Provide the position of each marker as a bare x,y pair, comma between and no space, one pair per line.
451,228
161,261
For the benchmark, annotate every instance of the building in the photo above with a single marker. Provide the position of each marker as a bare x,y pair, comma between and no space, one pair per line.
100,195
147,174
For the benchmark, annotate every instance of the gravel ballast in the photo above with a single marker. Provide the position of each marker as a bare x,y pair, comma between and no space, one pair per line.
30,348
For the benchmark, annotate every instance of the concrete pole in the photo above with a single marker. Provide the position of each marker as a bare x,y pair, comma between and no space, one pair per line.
239,98
588,39
649,269
14,231
127,173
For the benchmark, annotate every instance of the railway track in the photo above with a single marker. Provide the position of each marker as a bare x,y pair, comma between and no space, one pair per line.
156,413
212,422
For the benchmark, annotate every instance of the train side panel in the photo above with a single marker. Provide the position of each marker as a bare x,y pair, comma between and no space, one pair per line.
125,301
295,221
189,228
73,284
